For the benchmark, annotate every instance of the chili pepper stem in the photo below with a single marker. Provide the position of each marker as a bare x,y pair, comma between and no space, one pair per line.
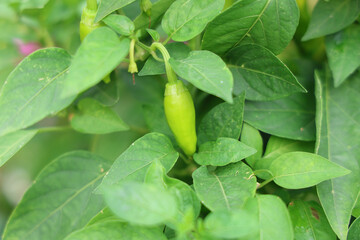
91,5
172,78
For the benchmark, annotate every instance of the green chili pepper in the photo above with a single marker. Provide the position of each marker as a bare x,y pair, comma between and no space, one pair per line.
180,115
87,24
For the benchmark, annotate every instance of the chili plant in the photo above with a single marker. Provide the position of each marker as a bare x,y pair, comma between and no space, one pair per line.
180,119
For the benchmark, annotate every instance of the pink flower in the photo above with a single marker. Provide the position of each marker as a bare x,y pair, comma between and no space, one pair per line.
26,48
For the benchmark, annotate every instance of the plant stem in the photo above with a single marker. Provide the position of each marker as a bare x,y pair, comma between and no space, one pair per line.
54,129
264,183
172,78
91,5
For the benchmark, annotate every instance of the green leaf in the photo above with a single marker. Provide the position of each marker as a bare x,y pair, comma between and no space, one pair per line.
261,74
107,93
309,221
273,217
222,152
296,170
291,117
154,34
269,23
154,67
99,54
187,18
338,134
331,16
230,224
120,23
225,187
11,143
60,201
95,118
354,230
103,216
156,120
252,137
157,11
139,203
108,6
278,146
33,4
224,120
39,80
206,71
134,162
343,51
117,230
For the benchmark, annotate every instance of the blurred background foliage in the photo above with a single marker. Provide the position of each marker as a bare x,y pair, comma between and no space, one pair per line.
24,30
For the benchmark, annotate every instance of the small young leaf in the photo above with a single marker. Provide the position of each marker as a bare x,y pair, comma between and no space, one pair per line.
94,118
296,170
39,80
120,24
226,187
252,137
60,201
206,71
154,67
224,120
343,51
139,203
269,23
117,230
99,54
222,152
309,221
230,224
331,16
154,34
108,6
134,162
265,79
11,143
187,18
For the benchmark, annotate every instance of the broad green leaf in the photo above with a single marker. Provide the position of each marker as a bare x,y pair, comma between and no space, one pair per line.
273,216
222,152
276,147
338,134
108,6
230,224
34,89
309,221
187,18
99,54
185,196
103,216
95,118
117,230
291,117
206,71
343,51
331,16
29,4
106,93
269,23
261,74
11,143
252,137
158,9
139,203
154,67
224,120
60,201
134,162
296,170
120,24
154,34
225,187
354,231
